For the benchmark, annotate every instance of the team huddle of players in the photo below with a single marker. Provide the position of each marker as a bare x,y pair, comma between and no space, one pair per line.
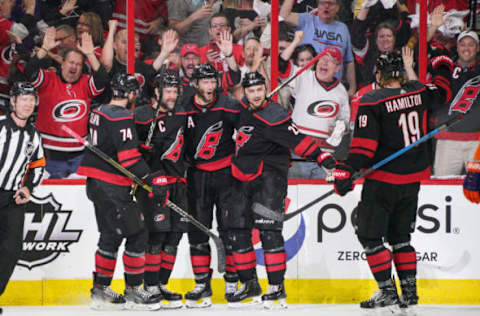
238,154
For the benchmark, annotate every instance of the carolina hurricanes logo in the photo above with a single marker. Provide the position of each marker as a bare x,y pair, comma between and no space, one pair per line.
243,136
292,245
323,109
70,111
159,218
140,78
7,55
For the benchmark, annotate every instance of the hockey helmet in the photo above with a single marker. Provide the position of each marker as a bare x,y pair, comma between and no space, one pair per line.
390,65
252,79
21,88
205,71
122,84
167,79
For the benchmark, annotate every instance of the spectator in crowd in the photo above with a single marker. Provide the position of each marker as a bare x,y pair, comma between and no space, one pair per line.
115,58
457,145
190,56
20,29
367,46
67,38
211,53
150,16
91,23
245,22
322,109
56,12
191,19
253,56
303,54
322,31
64,98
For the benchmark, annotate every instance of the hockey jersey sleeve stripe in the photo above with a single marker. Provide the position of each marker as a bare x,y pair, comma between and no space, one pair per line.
37,163
445,85
93,88
364,152
129,163
238,174
365,143
391,97
40,78
128,154
304,146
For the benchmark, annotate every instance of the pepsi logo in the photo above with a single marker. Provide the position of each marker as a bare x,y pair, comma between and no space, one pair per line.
70,110
323,109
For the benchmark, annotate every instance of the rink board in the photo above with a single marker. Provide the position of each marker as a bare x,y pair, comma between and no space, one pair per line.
326,263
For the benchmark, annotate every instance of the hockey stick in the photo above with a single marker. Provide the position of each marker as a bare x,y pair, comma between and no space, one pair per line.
268,213
283,84
218,242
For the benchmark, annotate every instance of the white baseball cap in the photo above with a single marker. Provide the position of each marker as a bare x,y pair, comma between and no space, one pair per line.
472,34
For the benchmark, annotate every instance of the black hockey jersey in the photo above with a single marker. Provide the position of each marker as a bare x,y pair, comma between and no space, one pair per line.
168,138
387,121
112,130
209,134
264,137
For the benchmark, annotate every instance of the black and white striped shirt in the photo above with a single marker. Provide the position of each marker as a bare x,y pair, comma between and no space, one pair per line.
21,152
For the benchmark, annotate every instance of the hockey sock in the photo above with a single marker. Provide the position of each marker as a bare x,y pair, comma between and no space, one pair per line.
134,266
243,254
405,259
380,261
104,266
153,260
169,254
200,257
230,270
274,255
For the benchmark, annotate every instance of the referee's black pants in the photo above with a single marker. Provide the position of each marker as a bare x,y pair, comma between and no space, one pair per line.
11,235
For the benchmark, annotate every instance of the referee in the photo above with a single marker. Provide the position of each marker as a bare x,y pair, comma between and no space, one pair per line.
21,168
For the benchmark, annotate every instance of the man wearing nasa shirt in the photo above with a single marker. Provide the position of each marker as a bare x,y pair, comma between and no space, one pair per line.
64,99
322,109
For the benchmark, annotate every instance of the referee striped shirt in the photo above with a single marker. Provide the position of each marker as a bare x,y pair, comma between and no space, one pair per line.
21,154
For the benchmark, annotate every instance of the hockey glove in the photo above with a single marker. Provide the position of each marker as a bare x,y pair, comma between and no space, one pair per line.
343,174
158,181
146,151
326,160
471,185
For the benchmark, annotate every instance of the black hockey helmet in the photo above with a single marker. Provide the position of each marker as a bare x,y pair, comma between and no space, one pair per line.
122,84
21,88
390,65
253,79
205,71
167,79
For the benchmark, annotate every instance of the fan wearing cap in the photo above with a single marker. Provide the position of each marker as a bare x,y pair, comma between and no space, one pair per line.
322,108
166,153
458,144
389,118
265,135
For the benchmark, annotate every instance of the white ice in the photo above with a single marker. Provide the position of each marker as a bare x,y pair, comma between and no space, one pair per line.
219,310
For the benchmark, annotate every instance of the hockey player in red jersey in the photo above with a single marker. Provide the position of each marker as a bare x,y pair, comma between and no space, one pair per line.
388,119
209,148
265,133
165,227
112,130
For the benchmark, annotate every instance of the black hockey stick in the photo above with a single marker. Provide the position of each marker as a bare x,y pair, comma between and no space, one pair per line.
268,213
218,242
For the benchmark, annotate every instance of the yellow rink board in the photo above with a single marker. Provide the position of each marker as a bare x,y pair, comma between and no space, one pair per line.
348,291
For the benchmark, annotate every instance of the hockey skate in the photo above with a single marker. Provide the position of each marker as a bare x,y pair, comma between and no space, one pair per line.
409,298
137,298
275,297
384,301
230,289
171,300
249,294
200,296
104,298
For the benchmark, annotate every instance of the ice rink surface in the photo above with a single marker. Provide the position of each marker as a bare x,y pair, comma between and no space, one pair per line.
219,309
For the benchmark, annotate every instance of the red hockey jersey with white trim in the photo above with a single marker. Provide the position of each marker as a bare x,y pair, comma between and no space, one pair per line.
63,103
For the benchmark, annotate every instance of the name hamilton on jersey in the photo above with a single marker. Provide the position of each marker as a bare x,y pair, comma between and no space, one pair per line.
403,103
